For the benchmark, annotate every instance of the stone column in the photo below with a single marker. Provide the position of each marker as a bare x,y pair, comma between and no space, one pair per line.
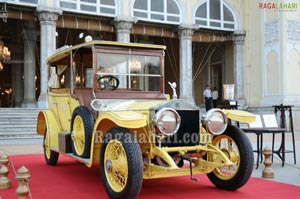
17,81
29,38
48,17
238,67
123,27
186,64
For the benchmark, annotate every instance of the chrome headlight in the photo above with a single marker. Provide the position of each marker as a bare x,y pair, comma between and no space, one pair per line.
167,121
96,104
216,121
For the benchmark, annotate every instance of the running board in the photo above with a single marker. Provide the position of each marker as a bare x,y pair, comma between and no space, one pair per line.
82,160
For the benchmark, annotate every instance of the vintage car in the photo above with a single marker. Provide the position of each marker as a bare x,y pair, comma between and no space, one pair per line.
107,107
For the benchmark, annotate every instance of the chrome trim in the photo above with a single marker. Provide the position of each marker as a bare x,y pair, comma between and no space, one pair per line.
162,130
207,122
96,104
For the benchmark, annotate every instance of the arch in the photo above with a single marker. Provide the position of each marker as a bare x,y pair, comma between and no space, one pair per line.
163,11
225,19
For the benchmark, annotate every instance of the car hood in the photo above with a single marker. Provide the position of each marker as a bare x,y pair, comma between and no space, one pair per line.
129,105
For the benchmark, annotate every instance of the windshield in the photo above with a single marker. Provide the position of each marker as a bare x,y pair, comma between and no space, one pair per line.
133,72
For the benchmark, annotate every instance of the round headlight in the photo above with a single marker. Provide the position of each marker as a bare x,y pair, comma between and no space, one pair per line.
96,104
167,121
216,121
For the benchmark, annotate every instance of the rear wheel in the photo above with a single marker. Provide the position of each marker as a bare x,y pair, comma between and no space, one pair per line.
81,131
51,157
121,164
236,145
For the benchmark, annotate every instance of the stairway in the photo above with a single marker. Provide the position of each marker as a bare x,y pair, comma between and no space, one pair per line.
18,126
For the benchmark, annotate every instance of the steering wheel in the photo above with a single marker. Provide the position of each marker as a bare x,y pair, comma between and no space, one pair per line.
108,82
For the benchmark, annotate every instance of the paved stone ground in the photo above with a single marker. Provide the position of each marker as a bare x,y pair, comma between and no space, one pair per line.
290,172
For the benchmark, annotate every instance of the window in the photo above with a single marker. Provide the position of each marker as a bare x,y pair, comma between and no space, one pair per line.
29,1
215,14
165,11
134,72
23,2
99,7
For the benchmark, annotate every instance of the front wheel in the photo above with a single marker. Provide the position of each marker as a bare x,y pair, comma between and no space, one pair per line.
51,157
236,145
82,128
121,164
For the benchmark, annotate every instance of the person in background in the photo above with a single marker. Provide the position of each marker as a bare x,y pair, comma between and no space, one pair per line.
207,98
215,97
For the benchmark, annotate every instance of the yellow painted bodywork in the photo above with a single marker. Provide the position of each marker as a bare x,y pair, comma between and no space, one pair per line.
47,121
126,119
135,117
240,116
200,165
57,118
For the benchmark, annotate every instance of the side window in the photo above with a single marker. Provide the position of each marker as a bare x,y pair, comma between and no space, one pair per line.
83,70
53,81
64,76
88,77
76,74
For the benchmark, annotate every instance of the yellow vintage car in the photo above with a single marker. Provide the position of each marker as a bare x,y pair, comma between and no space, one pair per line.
107,107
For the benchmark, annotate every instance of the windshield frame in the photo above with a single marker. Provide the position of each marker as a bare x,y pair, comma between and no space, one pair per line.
121,50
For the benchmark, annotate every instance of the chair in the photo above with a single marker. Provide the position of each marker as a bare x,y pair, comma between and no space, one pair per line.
286,123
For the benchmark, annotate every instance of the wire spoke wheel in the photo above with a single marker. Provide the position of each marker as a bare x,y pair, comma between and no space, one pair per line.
82,125
116,166
229,147
51,157
237,147
46,145
121,164
78,135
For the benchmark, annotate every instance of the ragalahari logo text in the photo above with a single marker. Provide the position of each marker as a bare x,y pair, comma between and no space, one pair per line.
288,6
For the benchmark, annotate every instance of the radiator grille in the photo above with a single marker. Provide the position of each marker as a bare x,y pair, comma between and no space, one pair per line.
188,133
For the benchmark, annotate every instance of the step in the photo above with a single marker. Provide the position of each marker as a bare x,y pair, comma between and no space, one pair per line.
20,122
18,126
17,132
22,140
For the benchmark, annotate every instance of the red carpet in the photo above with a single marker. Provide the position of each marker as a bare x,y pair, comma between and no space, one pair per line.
72,180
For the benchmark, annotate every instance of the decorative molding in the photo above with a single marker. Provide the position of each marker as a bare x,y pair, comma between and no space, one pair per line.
126,18
187,31
124,24
238,37
271,32
48,15
293,30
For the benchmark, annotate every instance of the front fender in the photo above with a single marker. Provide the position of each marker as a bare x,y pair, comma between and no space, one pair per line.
46,121
240,116
108,120
126,119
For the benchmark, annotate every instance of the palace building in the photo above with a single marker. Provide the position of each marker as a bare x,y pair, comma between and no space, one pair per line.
250,45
